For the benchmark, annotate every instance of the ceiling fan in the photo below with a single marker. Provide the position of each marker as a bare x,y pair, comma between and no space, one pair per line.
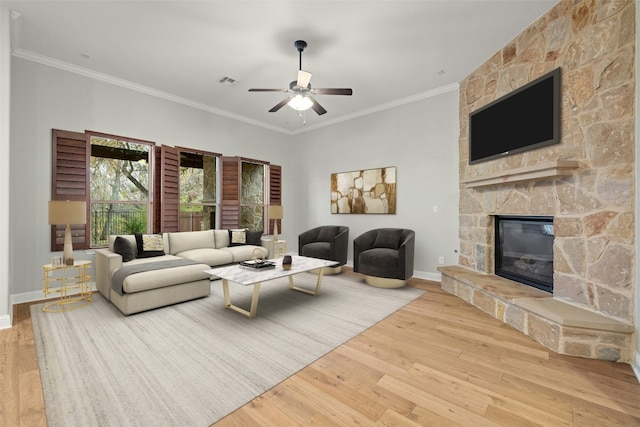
300,90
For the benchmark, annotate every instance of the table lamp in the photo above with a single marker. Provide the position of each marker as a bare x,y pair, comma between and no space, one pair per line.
67,212
275,213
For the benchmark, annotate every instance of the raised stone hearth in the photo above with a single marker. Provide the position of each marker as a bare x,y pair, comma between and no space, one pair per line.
558,325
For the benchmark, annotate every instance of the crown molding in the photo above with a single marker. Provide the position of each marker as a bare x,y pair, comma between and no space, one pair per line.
86,72
16,21
399,102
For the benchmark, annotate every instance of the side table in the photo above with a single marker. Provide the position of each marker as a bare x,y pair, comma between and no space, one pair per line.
279,248
71,282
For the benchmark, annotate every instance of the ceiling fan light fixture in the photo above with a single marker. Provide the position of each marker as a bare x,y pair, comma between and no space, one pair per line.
300,103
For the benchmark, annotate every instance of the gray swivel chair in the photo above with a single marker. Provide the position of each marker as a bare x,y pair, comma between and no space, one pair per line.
326,242
385,256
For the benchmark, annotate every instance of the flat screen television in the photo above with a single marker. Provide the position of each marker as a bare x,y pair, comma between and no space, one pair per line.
525,119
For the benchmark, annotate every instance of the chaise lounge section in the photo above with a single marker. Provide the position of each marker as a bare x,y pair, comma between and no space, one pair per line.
137,279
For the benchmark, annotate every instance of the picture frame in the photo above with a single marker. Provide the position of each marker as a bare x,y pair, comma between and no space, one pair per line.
56,261
365,191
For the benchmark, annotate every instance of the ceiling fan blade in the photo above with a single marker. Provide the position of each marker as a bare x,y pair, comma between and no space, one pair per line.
304,77
280,104
268,90
319,109
335,91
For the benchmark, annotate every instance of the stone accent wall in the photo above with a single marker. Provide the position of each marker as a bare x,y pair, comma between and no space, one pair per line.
593,42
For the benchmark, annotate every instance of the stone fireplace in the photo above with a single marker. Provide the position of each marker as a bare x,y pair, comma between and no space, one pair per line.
586,183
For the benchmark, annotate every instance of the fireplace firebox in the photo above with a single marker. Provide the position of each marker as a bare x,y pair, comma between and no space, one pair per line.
524,250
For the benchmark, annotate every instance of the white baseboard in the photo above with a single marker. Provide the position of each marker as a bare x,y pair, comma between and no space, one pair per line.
435,277
23,298
5,322
635,364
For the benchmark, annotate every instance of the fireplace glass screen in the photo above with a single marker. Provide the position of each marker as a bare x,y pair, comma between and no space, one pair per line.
524,250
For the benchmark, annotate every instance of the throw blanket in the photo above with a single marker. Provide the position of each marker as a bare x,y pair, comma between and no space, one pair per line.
123,272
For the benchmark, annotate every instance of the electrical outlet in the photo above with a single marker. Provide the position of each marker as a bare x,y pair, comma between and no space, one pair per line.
436,209
441,260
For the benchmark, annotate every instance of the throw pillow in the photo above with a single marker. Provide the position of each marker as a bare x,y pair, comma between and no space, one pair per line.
254,238
237,237
124,247
149,245
388,238
327,233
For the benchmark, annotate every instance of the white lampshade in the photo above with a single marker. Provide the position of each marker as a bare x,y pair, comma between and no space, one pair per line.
300,103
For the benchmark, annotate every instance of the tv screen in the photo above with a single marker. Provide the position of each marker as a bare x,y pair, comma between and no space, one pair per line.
522,120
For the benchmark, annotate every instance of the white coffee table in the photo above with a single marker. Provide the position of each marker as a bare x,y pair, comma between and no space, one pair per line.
246,276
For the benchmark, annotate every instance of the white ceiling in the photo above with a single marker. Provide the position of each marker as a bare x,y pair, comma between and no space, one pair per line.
389,52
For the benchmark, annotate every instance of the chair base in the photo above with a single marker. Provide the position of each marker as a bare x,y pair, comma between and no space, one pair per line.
384,282
327,270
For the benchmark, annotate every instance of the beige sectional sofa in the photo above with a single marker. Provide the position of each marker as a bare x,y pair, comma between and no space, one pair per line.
175,273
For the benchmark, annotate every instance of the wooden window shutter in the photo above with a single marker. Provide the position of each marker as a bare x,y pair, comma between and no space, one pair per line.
169,190
157,190
230,200
275,191
70,181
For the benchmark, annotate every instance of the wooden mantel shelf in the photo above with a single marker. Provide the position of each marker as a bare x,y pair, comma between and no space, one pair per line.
543,170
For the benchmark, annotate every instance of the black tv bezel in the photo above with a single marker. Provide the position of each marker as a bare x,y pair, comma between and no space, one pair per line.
555,75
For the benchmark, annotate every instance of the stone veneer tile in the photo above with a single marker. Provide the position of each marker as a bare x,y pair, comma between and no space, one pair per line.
484,302
576,348
546,333
516,318
610,353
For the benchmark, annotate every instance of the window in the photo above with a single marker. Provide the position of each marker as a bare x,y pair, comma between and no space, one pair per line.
119,187
252,199
197,183
132,185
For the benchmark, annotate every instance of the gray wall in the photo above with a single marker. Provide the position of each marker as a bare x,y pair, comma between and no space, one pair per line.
420,139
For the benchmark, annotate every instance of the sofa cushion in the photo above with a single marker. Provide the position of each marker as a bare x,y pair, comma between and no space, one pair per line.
327,233
124,248
165,277
130,237
149,245
245,252
254,238
388,238
211,257
222,238
379,262
187,240
316,250
237,236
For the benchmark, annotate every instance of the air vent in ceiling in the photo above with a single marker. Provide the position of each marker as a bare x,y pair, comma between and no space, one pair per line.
228,81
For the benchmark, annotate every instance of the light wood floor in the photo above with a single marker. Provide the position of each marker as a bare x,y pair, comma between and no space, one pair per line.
436,362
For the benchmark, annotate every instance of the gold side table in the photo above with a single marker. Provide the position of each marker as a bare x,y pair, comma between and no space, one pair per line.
279,248
71,282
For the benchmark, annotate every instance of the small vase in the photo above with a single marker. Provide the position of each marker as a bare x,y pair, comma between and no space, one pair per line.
286,262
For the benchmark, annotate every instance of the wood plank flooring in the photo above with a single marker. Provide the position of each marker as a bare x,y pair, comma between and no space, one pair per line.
436,362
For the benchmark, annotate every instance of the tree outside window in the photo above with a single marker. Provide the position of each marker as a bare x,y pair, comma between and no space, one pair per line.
119,188
197,191
252,199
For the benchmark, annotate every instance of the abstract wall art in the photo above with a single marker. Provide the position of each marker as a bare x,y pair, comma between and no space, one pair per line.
367,191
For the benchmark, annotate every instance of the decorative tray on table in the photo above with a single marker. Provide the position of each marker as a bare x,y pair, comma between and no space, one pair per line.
258,265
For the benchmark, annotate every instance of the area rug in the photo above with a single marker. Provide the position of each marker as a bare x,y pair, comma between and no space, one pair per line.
192,363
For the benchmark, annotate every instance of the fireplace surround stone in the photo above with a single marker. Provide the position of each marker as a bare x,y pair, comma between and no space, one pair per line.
586,182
